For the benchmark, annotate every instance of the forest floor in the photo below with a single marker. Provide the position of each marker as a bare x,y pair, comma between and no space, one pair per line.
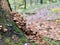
17,37
49,17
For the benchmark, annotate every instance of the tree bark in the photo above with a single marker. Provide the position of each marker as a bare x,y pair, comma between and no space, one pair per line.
5,10
5,5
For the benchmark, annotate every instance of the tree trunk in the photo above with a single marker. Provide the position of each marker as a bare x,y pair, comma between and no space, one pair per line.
36,1
5,10
30,2
24,4
41,1
5,5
